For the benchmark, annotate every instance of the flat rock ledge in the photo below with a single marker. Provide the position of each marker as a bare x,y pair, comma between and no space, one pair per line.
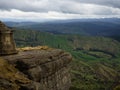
46,69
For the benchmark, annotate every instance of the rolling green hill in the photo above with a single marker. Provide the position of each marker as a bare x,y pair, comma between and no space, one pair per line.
96,60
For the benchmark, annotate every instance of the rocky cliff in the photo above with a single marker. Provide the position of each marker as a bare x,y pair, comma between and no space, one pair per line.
36,69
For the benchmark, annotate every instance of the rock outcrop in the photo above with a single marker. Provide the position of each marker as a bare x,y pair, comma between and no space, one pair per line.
42,69
7,44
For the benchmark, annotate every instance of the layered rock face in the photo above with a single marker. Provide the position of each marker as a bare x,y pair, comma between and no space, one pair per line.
46,69
7,44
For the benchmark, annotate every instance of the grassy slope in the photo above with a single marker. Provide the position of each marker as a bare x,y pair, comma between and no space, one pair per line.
96,61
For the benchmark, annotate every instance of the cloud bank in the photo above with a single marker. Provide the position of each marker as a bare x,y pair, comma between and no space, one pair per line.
59,9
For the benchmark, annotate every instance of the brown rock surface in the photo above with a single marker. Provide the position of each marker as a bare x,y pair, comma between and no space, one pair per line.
7,44
47,69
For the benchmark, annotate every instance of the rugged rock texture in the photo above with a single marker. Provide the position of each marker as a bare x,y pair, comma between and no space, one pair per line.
44,69
10,77
7,44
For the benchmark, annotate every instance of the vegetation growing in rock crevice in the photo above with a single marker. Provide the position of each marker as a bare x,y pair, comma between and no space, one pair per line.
10,77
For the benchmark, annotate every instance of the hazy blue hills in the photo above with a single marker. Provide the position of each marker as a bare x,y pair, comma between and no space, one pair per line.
96,27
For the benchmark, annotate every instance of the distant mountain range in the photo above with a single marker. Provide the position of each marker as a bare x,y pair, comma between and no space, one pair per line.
96,27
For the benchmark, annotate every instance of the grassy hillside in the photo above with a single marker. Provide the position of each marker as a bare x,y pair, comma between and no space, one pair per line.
96,63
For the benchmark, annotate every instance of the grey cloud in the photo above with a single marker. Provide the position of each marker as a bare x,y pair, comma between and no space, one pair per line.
51,5
33,5
17,4
94,7
111,3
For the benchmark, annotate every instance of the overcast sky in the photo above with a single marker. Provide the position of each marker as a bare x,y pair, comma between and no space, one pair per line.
58,9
